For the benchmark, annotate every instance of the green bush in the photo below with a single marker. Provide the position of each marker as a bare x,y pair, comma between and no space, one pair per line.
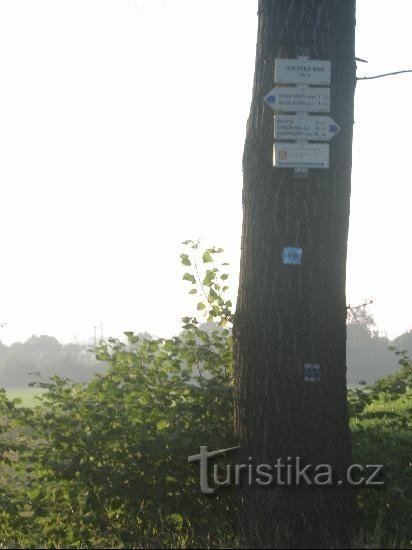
105,464
381,423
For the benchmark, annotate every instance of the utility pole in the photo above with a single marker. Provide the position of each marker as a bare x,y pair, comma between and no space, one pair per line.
290,323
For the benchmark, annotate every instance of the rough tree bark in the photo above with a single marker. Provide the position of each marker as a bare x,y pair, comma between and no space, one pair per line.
290,315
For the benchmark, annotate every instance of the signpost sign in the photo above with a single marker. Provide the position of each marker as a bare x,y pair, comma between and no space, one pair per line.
301,155
302,90
304,127
303,71
288,99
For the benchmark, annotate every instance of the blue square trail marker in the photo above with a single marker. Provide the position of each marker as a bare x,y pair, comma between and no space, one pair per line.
311,372
292,255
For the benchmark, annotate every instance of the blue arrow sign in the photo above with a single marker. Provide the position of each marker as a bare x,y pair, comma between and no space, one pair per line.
306,99
305,127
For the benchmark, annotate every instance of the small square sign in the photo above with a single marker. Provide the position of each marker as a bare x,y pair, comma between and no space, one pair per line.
292,255
311,372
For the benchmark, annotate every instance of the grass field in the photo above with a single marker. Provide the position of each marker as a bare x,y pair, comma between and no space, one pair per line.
27,395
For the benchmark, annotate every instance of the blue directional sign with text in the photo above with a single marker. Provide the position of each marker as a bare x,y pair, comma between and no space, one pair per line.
305,127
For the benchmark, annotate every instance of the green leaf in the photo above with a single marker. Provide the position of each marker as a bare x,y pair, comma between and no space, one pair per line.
189,277
209,277
207,257
213,295
161,425
184,258
201,306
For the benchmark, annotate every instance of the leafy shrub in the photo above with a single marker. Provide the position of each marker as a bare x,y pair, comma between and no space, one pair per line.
105,464
381,428
110,463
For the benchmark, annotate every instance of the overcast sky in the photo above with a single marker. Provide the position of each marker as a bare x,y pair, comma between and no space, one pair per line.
121,132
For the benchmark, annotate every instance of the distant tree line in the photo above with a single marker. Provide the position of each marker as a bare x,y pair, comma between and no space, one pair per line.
368,356
41,357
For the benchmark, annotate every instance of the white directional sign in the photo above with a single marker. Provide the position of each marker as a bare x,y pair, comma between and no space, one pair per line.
304,127
287,99
301,155
303,71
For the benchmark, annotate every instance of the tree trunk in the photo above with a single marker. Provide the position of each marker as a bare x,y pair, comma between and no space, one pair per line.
289,315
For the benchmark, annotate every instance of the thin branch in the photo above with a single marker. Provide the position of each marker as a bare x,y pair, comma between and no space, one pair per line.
383,75
199,280
349,307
